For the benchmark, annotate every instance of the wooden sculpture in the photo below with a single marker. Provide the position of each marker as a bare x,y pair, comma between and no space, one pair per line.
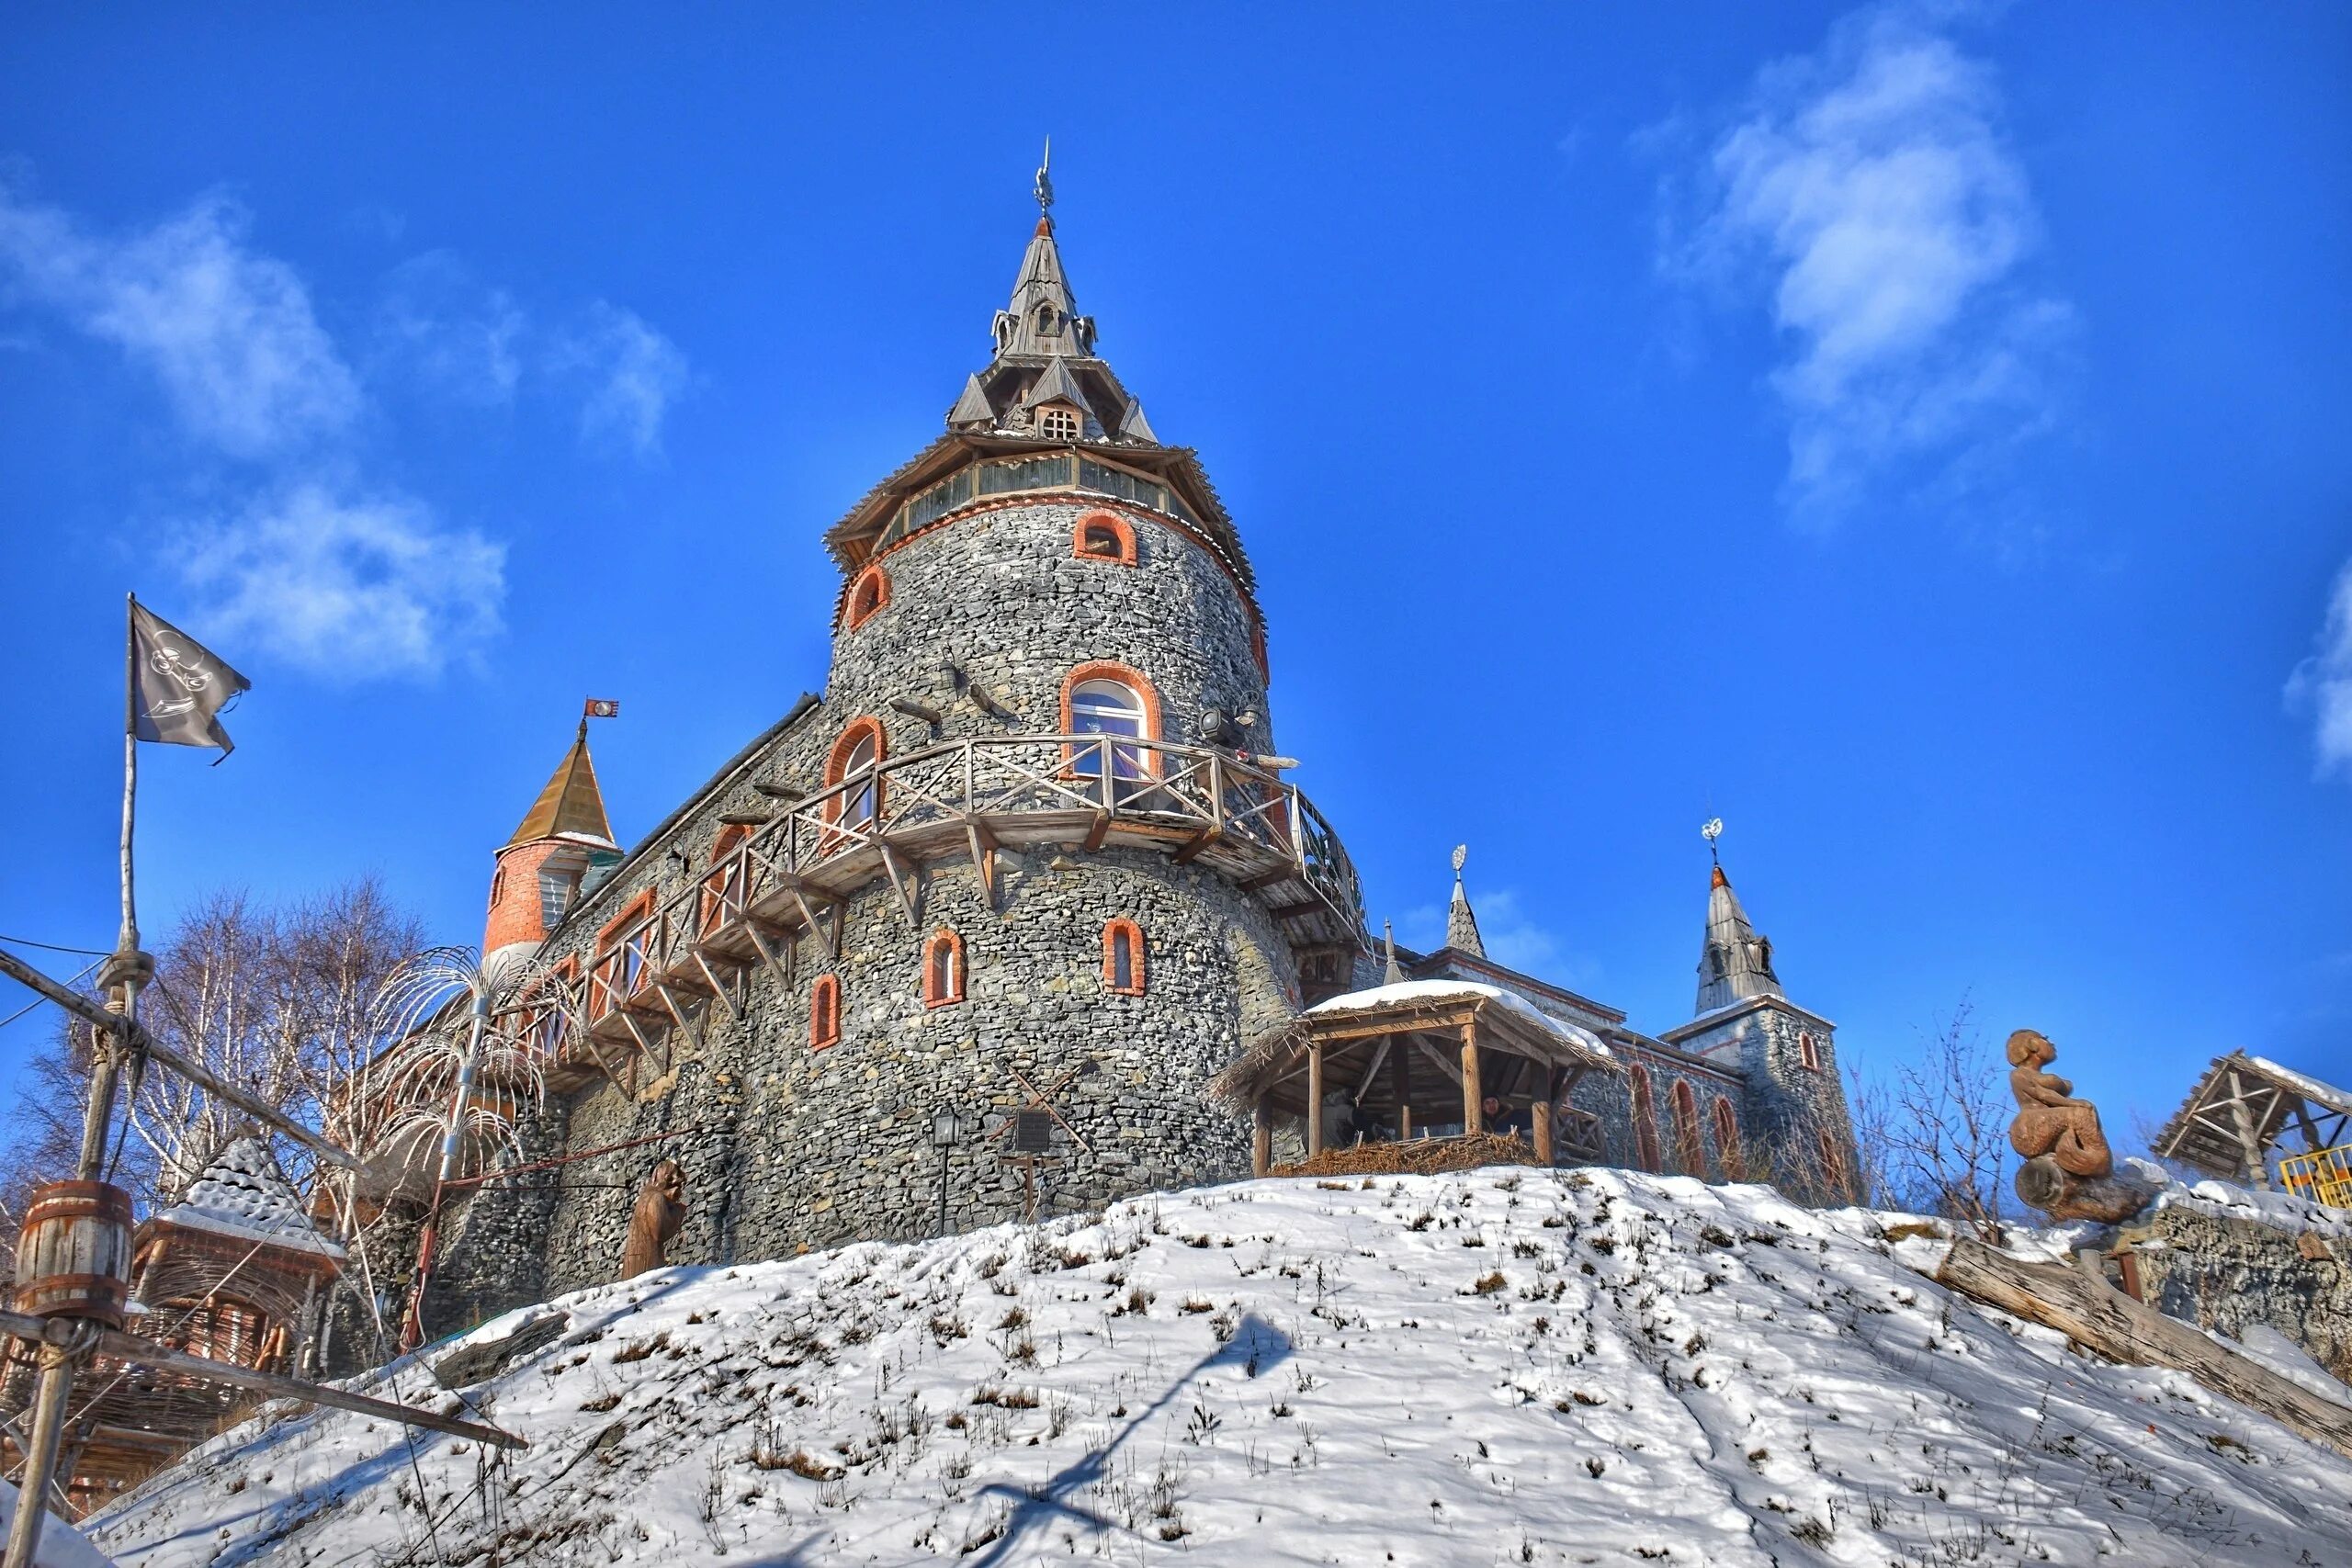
2069,1171
660,1211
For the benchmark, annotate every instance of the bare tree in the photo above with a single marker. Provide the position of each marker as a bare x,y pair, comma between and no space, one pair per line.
1945,1132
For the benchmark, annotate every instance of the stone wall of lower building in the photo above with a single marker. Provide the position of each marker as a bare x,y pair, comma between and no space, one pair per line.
2231,1275
786,1147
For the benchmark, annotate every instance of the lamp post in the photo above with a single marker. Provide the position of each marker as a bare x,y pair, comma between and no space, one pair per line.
946,1128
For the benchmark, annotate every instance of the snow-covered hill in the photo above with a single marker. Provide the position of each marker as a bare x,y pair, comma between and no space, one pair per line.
1499,1367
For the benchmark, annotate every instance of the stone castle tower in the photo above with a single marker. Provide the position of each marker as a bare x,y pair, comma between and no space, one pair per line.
1028,860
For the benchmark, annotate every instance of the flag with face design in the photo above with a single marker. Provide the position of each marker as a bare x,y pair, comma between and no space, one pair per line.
180,684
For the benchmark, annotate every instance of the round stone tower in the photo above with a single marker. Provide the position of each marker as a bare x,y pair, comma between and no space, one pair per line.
1029,867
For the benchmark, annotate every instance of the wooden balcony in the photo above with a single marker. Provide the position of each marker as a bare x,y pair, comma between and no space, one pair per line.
967,801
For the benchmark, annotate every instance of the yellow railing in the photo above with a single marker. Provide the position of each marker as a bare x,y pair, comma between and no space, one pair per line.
2324,1175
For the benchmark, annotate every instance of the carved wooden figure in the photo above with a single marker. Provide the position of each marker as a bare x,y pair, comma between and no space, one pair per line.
660,1211
2069,1171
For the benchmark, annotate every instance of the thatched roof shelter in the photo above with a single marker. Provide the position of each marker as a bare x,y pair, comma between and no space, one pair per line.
1413,1055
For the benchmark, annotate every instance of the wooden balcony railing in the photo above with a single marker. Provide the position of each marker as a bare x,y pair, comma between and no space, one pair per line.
792,875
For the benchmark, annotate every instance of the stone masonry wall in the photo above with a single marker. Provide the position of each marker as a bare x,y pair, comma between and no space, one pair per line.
2231,1275
787,1148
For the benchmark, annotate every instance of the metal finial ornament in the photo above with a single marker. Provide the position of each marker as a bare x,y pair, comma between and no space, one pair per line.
1045,191
1460,853
1711,830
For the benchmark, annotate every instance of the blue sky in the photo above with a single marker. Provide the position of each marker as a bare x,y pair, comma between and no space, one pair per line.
1913,434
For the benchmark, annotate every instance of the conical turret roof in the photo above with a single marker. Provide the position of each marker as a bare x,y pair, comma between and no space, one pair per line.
571,804
1735,962
242,1192
1045,353
1461,924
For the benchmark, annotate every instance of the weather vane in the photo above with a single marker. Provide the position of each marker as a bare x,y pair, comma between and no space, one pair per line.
1460,853
1046,180
1711,830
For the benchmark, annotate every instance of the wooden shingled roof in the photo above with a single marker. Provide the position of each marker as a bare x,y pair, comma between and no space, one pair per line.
2244,1106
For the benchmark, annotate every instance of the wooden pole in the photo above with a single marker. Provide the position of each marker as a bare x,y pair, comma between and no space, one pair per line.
1261,1137
1470,1095
1539,1117
126,972
1314,1099
1400,1071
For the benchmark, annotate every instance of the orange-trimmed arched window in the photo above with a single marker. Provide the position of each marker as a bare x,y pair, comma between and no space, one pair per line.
859,750
1104,537
1123,958
1645,1153
1808,1050
1833,1167
869,593
1688,1152
1112,700
724,890
824,1013
1727,1139
942,969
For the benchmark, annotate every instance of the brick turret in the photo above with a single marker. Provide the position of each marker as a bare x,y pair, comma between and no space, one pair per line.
563,843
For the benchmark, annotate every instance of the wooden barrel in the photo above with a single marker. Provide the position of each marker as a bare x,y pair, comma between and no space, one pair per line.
73,1255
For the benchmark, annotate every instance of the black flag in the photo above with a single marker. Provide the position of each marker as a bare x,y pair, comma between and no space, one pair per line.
182,684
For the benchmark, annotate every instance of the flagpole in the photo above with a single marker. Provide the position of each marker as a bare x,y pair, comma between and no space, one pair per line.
126,971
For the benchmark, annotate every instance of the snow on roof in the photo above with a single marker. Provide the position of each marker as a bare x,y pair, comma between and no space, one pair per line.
243,1193
1439,990
2310,1088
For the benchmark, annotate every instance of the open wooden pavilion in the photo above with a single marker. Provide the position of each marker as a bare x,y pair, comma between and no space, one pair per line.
1413,1060
2241,1112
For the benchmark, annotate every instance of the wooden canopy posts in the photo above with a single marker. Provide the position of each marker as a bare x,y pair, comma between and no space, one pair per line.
1410,1061
2241,1111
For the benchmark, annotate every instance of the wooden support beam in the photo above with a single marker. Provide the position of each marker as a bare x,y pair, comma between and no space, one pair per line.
1261,1137
982,843
914,709
2093,1314
1471,1094
716,987
694,1030
2257,1168
778,790
1259,884
1400,1068
644,1044
1372,1068
1437,1058
1314,1099
1540,1118
898,882
1191,848
767,954
1100,830
121,1346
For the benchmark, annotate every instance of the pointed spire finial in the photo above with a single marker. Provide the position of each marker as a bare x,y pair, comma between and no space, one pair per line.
1394,973
1045,191
1460,925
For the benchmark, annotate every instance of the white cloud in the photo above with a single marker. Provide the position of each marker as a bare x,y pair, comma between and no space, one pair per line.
632,373
458,338
1868,195
2321,685
227,331
353,587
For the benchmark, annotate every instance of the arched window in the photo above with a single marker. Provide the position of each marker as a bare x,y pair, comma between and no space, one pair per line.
1058,423
1110,699
1808,1053
1728,1141
1688,1152
942,969
1123,958
1833,1167
1645,1153
497,886
1104,537
724,890
824,1013
854,757
867,594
